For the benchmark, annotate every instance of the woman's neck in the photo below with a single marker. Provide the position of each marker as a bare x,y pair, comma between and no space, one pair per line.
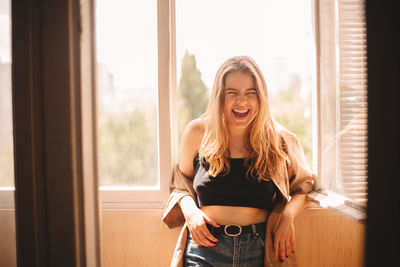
236,144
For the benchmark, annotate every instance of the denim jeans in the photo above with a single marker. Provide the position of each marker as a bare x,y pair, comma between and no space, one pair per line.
245,250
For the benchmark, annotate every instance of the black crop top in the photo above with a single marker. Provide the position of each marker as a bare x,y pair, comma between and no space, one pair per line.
232,189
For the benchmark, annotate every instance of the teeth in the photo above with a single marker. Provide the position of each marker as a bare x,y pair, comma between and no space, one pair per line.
240,111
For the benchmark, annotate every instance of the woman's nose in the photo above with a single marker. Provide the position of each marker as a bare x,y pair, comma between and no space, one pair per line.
241,98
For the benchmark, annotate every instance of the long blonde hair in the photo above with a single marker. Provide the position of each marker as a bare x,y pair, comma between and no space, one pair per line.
265,156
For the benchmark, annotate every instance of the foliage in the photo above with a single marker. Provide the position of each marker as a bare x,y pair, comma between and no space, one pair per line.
128,141
192,93
128,148
294,113
287,106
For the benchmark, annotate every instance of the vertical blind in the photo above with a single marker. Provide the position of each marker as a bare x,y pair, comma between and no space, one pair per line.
352,90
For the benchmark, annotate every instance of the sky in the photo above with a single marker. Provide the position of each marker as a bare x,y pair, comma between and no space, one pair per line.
127,42
278,35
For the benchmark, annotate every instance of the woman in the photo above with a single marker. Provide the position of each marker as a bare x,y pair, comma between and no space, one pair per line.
236,170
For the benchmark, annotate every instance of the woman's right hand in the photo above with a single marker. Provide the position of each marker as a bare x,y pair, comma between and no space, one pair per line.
196,221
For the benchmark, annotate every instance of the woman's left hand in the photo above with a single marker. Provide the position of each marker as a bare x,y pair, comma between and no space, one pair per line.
284,241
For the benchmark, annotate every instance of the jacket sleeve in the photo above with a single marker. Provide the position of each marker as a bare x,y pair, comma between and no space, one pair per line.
179,187
301,178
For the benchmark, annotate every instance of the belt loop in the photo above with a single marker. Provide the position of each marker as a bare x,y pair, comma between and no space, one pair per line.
253,228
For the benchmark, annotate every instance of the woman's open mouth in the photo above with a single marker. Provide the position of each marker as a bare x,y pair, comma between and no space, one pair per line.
240,113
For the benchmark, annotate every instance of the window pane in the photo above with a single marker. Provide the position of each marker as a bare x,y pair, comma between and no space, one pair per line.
344,128
6,132
128,91
278,38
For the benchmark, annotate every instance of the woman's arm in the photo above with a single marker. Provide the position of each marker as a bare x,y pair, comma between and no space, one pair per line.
195,218
284,237
296,205
300,183
191,140
181,184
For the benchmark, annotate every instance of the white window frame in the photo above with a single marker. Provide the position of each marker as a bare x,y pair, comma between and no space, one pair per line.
155,196
326,198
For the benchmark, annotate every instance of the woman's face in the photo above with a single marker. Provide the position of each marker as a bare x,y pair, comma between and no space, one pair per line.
241,103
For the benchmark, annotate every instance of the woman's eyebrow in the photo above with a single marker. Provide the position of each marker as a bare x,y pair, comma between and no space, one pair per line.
234,89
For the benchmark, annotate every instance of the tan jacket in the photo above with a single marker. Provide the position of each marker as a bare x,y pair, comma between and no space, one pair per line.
299,179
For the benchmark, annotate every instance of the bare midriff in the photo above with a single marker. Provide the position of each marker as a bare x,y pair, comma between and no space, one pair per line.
224,215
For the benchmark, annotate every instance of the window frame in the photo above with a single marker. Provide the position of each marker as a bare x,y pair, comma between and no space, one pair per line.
156,196
327,198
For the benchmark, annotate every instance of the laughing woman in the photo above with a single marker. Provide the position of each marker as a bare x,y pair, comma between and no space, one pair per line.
240,181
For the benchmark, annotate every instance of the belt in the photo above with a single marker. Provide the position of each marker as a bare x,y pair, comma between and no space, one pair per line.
236,230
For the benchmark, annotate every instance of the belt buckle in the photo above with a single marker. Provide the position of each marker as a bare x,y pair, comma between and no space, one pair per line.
230,225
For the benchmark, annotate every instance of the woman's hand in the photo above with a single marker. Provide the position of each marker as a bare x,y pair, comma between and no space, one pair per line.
284,241
196,221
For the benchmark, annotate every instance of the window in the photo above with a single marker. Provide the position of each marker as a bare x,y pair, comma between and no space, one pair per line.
342,104
343,92
325,108
127,91
289,71
143,86
134,96
248,28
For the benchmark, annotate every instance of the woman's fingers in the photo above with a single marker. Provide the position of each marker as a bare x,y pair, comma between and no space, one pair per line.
194,237
205,241
205,230
197,224
293,243
201,240
210,221
208,235
276,247
202,236
288,249
198,239
282,249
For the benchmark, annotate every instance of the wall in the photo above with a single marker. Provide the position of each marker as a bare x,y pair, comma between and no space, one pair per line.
138,238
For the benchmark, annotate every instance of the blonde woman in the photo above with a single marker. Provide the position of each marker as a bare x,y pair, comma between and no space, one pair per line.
241,178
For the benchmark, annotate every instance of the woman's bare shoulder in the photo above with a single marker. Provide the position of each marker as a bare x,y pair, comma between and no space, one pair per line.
196,127
191,140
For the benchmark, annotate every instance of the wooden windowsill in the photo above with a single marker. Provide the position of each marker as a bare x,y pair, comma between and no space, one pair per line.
339,204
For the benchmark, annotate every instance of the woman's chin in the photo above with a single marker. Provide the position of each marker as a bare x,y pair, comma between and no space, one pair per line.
239,124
